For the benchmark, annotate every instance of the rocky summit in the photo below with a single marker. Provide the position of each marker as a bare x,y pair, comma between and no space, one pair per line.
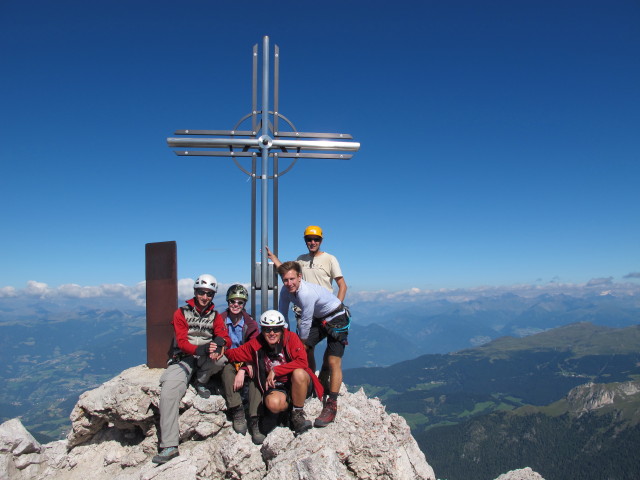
114,436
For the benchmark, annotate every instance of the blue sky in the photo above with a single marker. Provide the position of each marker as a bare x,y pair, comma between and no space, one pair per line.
499,139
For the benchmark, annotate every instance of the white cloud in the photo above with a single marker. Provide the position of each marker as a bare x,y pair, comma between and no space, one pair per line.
37,288
185,289
136,294
596,285
6,292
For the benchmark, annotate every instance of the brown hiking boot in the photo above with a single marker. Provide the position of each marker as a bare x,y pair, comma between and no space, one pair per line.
328,413
239,420
257,437
299,423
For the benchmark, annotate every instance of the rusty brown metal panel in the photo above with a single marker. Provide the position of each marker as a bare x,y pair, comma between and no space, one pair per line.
162,299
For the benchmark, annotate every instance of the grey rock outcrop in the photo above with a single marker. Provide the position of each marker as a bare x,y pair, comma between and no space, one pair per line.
520,474
593,396
114,436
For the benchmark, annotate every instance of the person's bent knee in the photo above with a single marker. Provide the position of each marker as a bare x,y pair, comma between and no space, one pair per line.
276,402
299,375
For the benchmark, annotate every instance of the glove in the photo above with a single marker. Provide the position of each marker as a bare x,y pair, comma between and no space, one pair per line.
203,350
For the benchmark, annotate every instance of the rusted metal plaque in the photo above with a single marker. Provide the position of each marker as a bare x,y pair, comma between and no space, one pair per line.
162,299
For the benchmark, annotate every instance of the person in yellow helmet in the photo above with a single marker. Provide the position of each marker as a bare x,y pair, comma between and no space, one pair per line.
318,267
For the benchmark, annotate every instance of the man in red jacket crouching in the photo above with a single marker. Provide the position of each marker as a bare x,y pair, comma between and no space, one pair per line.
282,371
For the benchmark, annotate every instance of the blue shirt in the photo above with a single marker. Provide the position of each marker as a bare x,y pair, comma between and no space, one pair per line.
235,332
314,300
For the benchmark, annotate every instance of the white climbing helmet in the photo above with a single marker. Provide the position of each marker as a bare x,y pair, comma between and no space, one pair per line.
206,281
272,318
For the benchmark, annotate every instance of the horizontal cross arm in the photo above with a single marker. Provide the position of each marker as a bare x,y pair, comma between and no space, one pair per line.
255,143
336,156
208,153
339,136
213,142
317,145
215,132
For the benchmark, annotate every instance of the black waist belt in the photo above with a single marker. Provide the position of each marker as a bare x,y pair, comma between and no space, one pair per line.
337,310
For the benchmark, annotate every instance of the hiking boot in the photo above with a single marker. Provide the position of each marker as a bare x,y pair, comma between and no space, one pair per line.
328,413
239,420
257,437
299,423
202,390
165,455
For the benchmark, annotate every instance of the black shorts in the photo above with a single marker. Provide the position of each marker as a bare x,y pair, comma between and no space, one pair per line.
318,332
286,389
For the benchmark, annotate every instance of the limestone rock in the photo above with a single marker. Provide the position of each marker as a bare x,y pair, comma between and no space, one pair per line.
114,436
592,396
521,474
15,439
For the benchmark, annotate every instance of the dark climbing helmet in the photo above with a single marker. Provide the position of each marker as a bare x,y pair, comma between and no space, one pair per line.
237,291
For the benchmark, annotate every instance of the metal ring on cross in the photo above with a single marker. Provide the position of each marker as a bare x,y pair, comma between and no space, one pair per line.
259,129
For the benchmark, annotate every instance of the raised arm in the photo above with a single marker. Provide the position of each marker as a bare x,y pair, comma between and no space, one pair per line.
342,288
276,261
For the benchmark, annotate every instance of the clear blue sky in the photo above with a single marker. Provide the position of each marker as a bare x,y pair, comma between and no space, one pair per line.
500,139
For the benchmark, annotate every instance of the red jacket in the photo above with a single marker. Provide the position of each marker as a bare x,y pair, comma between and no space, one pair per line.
181,327
294,352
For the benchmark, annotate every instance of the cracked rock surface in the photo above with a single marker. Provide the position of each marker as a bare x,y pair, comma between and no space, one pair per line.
114,436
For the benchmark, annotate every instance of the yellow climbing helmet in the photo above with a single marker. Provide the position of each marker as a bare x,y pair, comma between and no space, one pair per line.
313,230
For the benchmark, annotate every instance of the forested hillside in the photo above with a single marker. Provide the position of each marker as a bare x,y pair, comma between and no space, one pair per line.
479,412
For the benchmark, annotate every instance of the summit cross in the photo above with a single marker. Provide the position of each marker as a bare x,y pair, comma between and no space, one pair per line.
264,138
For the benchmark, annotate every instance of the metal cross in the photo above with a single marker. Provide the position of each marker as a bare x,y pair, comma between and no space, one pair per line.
265,138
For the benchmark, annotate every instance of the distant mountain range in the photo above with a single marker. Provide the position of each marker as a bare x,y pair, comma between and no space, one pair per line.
56,348
523,401
435,325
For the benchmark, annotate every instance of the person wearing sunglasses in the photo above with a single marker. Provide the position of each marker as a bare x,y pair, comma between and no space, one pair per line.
320,268
282,372
198,350
241,328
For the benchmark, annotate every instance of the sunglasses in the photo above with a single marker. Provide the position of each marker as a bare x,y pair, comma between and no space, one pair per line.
272,329
236,302
312,239
208,293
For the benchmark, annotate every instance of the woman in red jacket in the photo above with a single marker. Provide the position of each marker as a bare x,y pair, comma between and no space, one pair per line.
282,371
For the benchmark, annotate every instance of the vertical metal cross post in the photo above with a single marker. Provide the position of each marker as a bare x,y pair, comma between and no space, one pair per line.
266,138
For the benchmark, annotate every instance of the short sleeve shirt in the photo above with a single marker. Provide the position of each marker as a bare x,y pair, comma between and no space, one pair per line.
321,269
